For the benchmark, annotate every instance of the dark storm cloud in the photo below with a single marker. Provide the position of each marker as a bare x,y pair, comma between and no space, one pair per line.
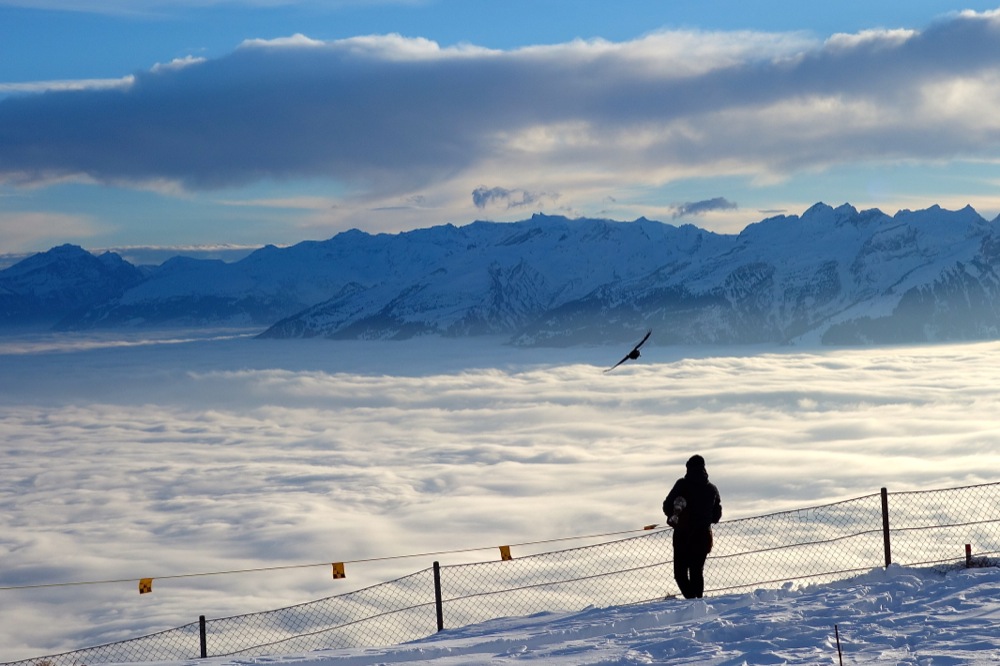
390,115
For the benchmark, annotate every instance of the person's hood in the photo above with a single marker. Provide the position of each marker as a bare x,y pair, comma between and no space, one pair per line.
697,475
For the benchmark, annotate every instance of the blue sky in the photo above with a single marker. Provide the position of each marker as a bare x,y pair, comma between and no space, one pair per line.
193,122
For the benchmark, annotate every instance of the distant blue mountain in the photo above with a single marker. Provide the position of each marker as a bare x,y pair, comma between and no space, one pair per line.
47,287
831,275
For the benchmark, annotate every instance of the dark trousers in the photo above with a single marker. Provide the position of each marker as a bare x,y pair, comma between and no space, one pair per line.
691,549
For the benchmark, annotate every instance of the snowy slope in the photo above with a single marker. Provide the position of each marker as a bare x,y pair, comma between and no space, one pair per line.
893,616
792,279
497,278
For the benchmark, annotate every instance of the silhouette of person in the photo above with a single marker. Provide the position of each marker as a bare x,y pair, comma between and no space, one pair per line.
692,507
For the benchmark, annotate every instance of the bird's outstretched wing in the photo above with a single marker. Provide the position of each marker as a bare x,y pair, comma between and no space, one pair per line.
643,341
634,354
617,364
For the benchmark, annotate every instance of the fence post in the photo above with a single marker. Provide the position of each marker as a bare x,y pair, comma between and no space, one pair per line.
438,604
885,527
204,637
968,555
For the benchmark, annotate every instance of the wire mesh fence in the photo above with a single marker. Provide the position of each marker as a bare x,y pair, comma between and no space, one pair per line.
816,544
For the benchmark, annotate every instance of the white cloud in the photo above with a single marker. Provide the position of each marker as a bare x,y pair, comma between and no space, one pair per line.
66,85
385,120
177,63
150,459
886,38
391,115
296,40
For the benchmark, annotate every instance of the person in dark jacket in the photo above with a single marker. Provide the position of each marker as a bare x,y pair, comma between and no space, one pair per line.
692,507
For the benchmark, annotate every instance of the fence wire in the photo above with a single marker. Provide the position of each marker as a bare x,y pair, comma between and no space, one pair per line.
811,545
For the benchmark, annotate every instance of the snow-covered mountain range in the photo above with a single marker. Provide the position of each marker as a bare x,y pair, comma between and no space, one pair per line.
831,275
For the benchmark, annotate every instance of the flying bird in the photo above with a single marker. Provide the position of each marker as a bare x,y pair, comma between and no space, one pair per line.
632,355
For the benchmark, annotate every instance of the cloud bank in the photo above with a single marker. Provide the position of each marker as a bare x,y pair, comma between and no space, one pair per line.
389,116
127,458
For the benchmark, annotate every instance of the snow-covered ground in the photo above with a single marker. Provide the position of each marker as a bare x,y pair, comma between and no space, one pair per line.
157,456
888,616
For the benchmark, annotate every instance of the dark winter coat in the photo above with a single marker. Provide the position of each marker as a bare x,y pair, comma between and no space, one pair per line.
704,507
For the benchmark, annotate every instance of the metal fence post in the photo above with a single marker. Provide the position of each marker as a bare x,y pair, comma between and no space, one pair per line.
438,604
204,636
885,527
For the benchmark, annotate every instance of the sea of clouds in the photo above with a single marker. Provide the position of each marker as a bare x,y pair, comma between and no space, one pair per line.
163,455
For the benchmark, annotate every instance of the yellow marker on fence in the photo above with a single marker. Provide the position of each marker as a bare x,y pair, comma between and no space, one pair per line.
338,571
145,585
505,553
